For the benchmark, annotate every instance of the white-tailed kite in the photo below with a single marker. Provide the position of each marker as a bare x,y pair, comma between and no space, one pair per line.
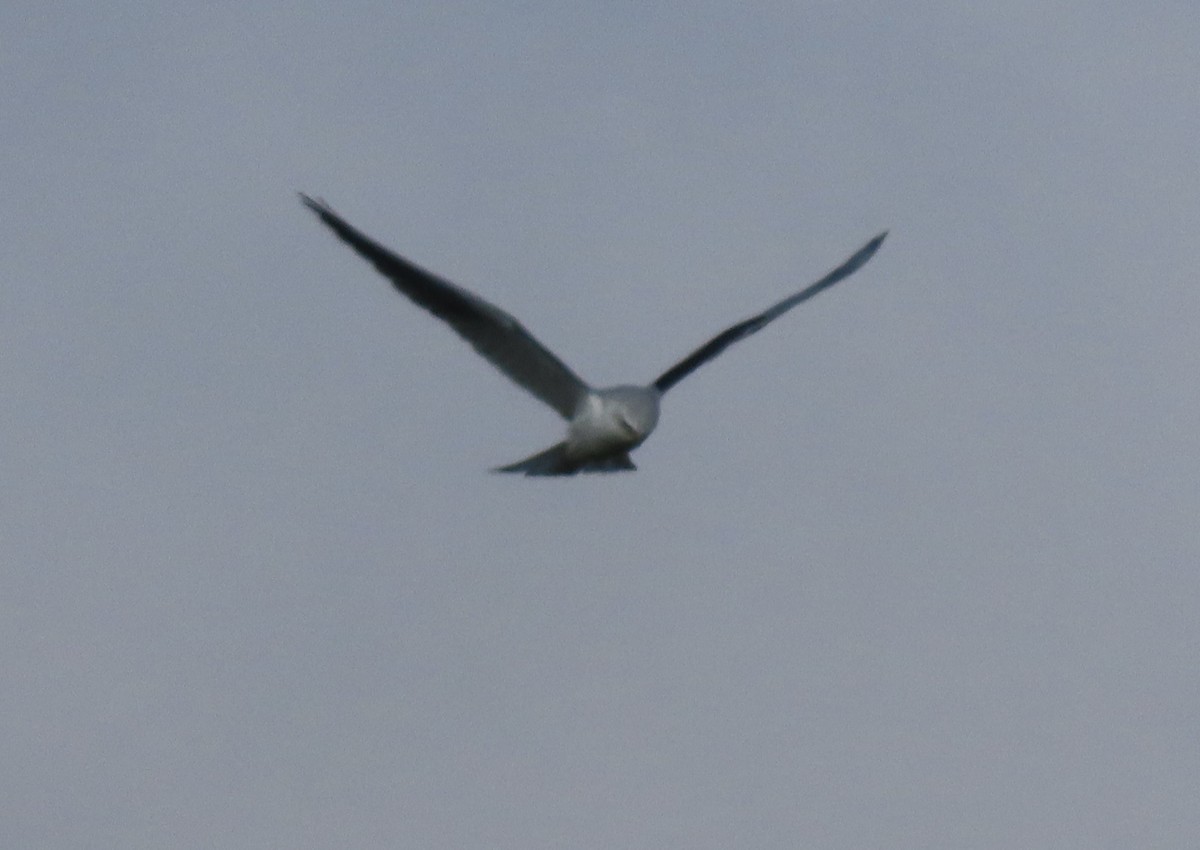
603,425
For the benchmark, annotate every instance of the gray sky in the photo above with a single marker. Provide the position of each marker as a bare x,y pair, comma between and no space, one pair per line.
915,567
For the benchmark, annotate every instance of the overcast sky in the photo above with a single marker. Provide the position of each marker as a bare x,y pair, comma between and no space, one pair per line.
915,567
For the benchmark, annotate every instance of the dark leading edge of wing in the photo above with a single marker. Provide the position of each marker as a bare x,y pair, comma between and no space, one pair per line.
492,332
741,330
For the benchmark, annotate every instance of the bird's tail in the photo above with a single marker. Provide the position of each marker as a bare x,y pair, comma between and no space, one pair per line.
554,461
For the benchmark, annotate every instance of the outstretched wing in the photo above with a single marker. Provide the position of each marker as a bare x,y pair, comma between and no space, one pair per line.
492,332
743,329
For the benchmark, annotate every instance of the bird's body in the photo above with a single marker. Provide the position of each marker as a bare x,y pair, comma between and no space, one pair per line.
606,427
603,425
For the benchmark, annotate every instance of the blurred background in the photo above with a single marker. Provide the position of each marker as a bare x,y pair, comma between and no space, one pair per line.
915,567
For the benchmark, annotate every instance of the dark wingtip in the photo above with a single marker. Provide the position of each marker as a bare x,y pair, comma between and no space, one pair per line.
317,205
863,254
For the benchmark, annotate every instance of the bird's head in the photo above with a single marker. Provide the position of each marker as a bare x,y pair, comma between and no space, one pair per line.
634,410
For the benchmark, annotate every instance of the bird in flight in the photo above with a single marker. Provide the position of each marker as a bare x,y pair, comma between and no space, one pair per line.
603,425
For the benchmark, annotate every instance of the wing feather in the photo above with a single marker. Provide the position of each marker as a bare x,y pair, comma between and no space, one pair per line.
745,328
492,332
